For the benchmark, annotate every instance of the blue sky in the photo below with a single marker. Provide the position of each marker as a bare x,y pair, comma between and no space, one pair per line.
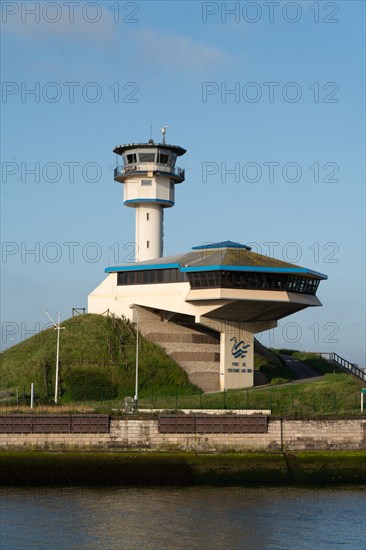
273,91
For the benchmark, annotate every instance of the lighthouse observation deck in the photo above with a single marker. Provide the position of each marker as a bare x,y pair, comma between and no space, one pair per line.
144,158
141,168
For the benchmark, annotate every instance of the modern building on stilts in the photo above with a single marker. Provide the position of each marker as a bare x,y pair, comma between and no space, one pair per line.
203,306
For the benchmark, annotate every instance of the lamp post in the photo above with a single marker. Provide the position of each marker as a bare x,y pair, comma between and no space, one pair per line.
58,328
136,396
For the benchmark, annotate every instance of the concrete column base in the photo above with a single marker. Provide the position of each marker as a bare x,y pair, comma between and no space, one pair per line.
236,351
236,359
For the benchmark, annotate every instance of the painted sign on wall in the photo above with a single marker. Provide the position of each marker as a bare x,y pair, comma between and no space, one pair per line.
236,359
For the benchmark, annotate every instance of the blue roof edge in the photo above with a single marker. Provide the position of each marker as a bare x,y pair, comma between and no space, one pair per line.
140,267
223,244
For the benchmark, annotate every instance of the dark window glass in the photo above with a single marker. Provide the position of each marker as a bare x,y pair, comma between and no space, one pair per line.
151,276
223,279
147,157
166,275
255,281
163,158
173,158
131,158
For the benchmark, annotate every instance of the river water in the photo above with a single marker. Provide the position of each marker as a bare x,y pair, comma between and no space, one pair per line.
190,518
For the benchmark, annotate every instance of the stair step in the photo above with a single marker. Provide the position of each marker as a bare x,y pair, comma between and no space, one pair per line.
176,337
171,347
164,327
208,382
195,351
180,356
201,366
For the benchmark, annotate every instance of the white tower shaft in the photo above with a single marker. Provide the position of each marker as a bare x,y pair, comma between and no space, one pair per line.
149,232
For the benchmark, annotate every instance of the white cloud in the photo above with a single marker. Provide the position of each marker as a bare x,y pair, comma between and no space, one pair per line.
61,25
170,50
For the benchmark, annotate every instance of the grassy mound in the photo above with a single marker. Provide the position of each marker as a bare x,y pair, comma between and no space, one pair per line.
275,374
97,361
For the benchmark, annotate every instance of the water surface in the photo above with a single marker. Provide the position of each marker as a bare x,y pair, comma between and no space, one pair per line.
194,518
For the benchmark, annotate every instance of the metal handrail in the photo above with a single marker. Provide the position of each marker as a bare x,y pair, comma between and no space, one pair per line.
142,167
344,364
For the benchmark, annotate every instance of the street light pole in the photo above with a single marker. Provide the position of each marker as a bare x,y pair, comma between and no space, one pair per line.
57,357
58,328
136,396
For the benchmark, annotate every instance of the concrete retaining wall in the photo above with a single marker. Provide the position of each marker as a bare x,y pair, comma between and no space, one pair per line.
283,434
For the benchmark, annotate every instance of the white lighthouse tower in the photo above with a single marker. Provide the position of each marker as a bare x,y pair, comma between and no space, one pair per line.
219,294
149,175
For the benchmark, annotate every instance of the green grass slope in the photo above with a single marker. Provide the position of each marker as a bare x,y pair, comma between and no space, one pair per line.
97,361
97,364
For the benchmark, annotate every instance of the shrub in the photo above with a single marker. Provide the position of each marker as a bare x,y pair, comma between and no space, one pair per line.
89,385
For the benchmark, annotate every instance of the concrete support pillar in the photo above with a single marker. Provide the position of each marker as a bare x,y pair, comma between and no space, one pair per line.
236,358
236,350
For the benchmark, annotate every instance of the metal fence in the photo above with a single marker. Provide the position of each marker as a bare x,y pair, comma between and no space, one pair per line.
292,399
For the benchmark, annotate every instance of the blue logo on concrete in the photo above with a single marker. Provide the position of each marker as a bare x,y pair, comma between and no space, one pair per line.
239,349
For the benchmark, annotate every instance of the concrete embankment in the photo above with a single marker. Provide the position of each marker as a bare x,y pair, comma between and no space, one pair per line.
198,433
115,468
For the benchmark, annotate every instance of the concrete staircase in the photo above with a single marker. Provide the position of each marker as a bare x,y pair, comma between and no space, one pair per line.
195,349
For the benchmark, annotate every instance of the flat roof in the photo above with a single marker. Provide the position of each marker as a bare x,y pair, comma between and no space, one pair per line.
120,149
225,256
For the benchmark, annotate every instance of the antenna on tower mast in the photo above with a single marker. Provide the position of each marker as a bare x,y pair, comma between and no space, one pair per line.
163,131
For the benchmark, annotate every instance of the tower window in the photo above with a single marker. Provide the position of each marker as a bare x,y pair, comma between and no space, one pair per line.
151,276
163,158
146,183
147,157
131,158
147,244
173,158
147,216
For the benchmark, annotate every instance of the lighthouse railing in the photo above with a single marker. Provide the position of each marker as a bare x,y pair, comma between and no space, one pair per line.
147,167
